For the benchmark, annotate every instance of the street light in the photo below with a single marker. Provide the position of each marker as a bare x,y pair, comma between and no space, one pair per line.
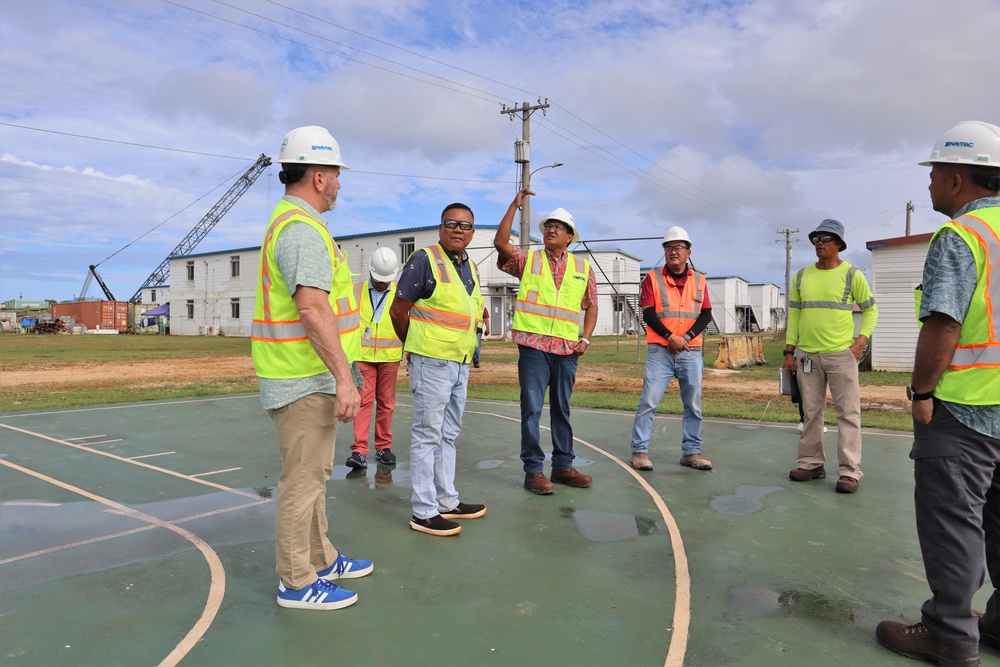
526,206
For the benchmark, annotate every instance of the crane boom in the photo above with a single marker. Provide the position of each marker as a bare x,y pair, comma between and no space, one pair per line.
194,237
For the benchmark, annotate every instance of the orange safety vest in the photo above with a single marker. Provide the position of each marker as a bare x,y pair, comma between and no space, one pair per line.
677,309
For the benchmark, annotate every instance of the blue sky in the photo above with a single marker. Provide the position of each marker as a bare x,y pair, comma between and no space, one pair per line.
731,119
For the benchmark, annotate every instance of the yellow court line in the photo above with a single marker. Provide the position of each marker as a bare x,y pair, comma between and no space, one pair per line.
682,575
217,585
130,461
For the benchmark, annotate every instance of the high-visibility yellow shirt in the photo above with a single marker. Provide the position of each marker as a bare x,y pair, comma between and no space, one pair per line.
379,343
279,345
444,325
541,308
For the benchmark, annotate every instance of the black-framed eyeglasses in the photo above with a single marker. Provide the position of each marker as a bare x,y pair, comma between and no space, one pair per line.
554,225
461,224
674,248
826,238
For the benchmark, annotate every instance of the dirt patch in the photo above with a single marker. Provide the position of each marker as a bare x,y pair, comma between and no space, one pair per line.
157,373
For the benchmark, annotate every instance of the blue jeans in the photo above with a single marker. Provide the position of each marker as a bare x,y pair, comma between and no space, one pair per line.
539,371
479,346
439,389
662,366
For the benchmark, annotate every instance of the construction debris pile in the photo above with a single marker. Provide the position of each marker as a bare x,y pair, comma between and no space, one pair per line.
53,327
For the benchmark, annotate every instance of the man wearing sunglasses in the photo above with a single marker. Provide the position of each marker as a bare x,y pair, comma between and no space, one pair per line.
821,325
555,287
676,309
435,312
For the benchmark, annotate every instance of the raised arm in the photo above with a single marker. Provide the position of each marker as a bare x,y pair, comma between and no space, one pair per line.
502,239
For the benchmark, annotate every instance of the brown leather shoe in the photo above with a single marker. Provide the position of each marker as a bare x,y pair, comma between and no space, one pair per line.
847,485
536,483
987,635
640,461
571,477
917,641
803,475
696,461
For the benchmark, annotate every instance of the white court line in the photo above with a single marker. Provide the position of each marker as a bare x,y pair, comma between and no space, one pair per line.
682,575
28,503
146,456
217,585
86,437
133,406
100,442
216,472
98,452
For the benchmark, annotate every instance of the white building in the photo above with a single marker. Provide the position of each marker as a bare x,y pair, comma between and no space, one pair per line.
897,268
155,295
213,293
732,310
768,306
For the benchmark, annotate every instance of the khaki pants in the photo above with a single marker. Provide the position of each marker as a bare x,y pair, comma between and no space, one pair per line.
306,430
840,371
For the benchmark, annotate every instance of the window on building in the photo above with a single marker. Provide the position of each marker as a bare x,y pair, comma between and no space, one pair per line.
190,309
234,266
234,308
190,270
406,246
152,295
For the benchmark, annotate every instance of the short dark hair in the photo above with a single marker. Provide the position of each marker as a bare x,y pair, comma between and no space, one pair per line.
457,205
985,177
292,173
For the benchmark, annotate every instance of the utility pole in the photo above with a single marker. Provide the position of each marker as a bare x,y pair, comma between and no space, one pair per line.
909,210
522,151
788,266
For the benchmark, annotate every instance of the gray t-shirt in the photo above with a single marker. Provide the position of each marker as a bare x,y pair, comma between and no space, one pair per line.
302,258
949,283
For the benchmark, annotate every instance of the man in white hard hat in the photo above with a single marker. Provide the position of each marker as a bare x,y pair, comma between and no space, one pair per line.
955,394
381,351
676,309
304,338
821,325
556,286
437,305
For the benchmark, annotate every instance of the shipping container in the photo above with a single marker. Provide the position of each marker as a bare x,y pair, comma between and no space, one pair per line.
104,315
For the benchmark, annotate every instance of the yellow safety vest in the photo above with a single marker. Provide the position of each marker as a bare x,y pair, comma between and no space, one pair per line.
973,376
279,344
444,325
379,343
541,308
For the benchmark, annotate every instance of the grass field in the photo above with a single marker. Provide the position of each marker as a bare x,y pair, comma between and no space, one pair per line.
39,372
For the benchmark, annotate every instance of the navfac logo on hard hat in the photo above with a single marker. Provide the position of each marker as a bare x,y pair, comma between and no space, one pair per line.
322,148
960,144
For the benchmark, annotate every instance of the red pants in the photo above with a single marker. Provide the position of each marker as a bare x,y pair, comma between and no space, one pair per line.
379,393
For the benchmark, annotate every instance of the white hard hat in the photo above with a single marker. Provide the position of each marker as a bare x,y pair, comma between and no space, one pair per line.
969,142
383,265
311,145
563,216
676,234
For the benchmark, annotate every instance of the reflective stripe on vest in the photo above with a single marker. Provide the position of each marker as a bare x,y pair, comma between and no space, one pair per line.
381,344
279,344
443,326
973,376
681,318
542,309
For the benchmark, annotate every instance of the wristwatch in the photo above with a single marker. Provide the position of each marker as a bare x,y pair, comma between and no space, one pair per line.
914,396
788,353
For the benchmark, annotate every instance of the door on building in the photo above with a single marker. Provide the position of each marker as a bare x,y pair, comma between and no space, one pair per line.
498,322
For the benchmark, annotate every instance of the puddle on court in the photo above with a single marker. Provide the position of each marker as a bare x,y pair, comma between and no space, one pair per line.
374,476
745,500
748,427
752,601
604,527
489,465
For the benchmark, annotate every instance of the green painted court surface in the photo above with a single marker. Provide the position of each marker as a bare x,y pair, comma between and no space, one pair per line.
142,534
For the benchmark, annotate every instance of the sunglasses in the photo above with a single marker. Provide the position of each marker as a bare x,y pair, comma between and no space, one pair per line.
826,238
555,225
452,224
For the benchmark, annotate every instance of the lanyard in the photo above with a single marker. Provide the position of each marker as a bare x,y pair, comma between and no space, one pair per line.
375,306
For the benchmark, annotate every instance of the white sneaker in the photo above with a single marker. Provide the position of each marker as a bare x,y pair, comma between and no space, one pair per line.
803,426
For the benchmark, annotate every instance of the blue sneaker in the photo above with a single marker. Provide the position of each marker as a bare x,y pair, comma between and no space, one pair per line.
320,595
346,568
